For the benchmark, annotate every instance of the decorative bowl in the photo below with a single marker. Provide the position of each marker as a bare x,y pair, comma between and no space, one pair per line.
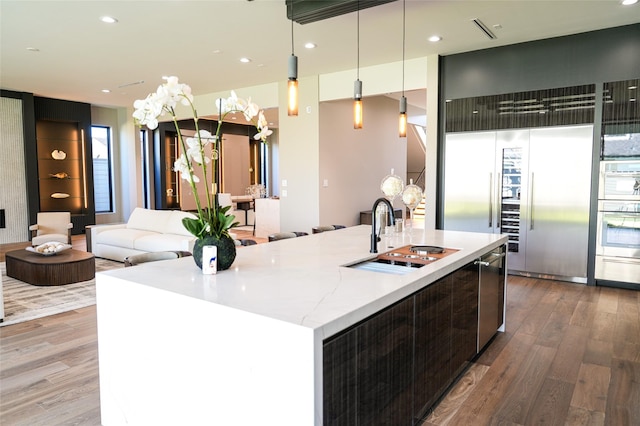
49,249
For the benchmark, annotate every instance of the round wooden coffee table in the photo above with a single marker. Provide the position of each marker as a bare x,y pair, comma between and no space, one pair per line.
66,267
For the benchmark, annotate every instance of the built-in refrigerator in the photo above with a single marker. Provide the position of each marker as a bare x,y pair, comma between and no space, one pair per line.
533,185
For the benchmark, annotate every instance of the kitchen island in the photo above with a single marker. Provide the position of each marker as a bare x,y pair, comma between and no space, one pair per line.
249,345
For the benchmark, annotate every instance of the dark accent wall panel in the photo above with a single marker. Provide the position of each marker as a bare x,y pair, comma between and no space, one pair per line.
586,58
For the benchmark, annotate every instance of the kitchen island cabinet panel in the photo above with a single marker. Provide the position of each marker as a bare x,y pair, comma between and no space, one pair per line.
385,346
432,343
375,356
340,379
464,320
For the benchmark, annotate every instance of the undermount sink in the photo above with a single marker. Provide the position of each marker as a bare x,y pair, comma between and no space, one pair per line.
388,267
402,260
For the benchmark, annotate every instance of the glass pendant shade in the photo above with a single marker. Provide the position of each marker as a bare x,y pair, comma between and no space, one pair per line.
292,87
357,114
357,105
292,91
402,124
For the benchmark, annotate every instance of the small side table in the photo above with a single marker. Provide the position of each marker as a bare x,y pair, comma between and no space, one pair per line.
66,267
246,206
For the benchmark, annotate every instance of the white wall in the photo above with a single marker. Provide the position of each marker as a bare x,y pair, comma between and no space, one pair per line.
354,162
431,160
298,147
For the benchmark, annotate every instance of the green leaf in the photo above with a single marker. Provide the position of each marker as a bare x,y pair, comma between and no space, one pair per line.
194,226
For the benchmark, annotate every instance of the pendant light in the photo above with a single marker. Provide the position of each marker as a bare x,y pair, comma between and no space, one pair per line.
402,123
357,86
292,85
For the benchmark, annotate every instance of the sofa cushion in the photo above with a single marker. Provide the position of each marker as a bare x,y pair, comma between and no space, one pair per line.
123,237
164,242
149,220
175,226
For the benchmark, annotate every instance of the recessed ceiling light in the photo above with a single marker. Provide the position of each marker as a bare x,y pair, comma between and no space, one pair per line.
33,49
629,2
633,87
217,52
310,45
245,60
108,19
435,38
106,91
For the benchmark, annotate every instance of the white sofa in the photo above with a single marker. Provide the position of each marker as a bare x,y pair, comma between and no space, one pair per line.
145,231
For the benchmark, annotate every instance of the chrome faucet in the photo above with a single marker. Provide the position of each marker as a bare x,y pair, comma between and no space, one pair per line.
374,237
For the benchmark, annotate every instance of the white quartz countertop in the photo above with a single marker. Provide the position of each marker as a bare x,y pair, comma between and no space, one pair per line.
303,281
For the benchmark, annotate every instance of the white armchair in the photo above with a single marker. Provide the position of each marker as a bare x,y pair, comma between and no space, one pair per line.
51,226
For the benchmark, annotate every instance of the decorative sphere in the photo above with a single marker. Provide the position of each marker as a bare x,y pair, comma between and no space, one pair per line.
411,196
392,185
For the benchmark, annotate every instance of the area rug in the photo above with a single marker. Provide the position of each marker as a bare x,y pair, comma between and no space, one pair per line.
24,302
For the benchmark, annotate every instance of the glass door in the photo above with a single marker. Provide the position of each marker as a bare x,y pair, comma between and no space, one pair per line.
510,196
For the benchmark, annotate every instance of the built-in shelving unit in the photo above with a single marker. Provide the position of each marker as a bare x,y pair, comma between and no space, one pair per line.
61,164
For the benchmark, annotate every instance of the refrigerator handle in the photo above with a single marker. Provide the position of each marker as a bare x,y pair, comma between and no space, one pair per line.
499,201
531,203
490,200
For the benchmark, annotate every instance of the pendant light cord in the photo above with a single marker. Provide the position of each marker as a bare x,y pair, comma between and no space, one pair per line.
292,51
403,40
358,43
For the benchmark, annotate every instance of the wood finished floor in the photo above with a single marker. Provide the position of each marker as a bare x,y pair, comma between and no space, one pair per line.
570,356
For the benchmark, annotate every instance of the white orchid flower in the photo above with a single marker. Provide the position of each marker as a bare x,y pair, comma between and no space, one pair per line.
195,154
181,165
262,135
234,102
206,137
173,92
251,110
262,121
148,110
195,150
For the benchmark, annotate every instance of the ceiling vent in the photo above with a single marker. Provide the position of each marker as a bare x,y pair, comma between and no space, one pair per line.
485,30
307,11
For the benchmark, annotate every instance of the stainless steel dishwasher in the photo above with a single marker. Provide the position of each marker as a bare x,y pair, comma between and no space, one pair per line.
492,267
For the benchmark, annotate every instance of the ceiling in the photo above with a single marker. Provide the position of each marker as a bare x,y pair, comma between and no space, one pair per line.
61,49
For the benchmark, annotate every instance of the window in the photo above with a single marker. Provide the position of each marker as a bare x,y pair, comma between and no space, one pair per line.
145,161
102,169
